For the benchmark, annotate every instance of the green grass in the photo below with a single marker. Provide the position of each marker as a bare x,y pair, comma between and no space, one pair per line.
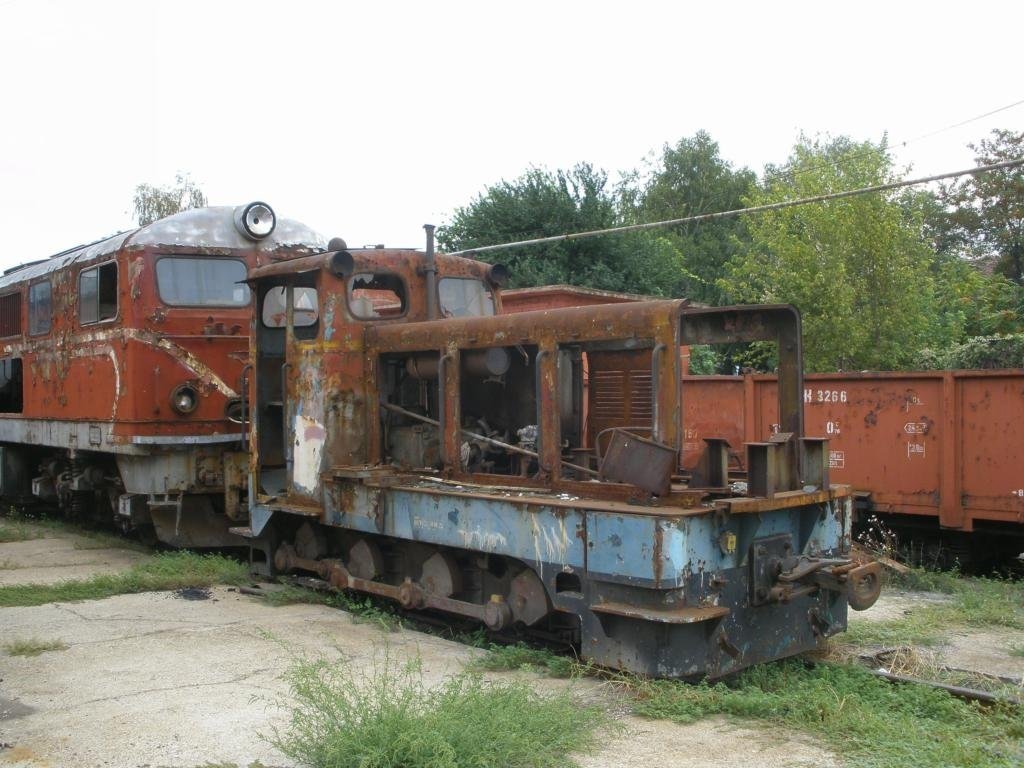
33,647
362,607
871,723
971,603
523,656
1017,650
387,717
170,570
18,526
18,530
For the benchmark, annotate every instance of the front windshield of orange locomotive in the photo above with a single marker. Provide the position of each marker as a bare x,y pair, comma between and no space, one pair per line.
198,281
465,297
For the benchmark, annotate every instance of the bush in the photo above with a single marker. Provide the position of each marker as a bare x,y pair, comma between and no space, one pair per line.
386,717
977,352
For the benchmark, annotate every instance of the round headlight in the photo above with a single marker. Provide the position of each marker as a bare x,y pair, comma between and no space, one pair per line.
255,220
184,399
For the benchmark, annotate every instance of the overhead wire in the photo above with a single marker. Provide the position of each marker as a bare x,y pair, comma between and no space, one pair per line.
738,211
790,173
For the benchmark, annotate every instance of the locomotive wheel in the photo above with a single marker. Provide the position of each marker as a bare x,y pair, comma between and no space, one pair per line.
365,560
310,542
441,575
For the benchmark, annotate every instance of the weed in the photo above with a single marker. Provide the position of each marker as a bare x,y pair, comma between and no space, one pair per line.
1016,650
8,565
871,722
523,656
165,571
387,717
970,602
17,530
362,608
33,647
475,638
21,526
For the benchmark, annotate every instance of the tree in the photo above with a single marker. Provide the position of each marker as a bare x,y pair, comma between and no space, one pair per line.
692,178
857,268
152,203
542,203
987,210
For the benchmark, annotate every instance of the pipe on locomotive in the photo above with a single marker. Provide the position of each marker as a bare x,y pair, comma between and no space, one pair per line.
430,270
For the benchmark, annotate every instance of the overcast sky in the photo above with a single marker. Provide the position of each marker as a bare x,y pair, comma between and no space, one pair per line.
367,120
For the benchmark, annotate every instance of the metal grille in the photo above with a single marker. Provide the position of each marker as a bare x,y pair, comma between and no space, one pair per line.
10,315
607,399
640,397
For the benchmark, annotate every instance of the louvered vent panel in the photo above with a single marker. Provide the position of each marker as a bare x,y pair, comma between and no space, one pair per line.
10,314
640,398
607,396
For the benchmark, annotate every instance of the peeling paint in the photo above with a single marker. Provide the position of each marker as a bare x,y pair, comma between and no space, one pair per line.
308,450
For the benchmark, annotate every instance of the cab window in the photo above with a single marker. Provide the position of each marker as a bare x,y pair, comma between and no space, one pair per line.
40,308
201,282
464,297
275,307
373,295
97,293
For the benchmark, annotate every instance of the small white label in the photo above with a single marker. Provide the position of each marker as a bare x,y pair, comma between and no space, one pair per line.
915,449
837,459
916,427
832,428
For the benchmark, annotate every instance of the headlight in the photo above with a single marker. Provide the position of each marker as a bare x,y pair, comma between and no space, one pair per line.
184,399
234,411
255,220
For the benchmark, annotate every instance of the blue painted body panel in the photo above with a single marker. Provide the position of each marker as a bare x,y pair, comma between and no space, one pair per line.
645,549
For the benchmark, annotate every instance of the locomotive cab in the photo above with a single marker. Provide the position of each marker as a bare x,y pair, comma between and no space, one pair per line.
124,372
410,442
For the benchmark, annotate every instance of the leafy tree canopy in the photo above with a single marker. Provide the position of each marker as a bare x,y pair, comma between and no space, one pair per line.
542,203
692,178
152,203
857,268
986,212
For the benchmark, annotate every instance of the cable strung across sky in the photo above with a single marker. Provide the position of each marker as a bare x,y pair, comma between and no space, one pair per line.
736,212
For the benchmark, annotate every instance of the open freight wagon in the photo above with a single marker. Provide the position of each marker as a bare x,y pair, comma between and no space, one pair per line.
932,451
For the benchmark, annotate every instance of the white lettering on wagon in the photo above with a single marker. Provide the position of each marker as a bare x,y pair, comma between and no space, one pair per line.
488,541
825,396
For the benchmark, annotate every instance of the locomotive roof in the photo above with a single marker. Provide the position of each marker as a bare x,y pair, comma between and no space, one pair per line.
211,227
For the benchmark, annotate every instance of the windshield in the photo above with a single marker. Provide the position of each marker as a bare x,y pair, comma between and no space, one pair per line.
465,297
199,282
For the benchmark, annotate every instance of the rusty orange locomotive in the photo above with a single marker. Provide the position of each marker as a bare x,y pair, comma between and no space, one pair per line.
410,442
123,371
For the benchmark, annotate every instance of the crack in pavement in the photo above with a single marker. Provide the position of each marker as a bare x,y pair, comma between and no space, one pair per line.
162,689
147,619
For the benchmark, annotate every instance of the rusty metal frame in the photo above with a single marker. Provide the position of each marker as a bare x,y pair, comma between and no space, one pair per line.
779,323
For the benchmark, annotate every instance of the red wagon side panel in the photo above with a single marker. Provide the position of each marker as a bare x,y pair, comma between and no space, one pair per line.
939,443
